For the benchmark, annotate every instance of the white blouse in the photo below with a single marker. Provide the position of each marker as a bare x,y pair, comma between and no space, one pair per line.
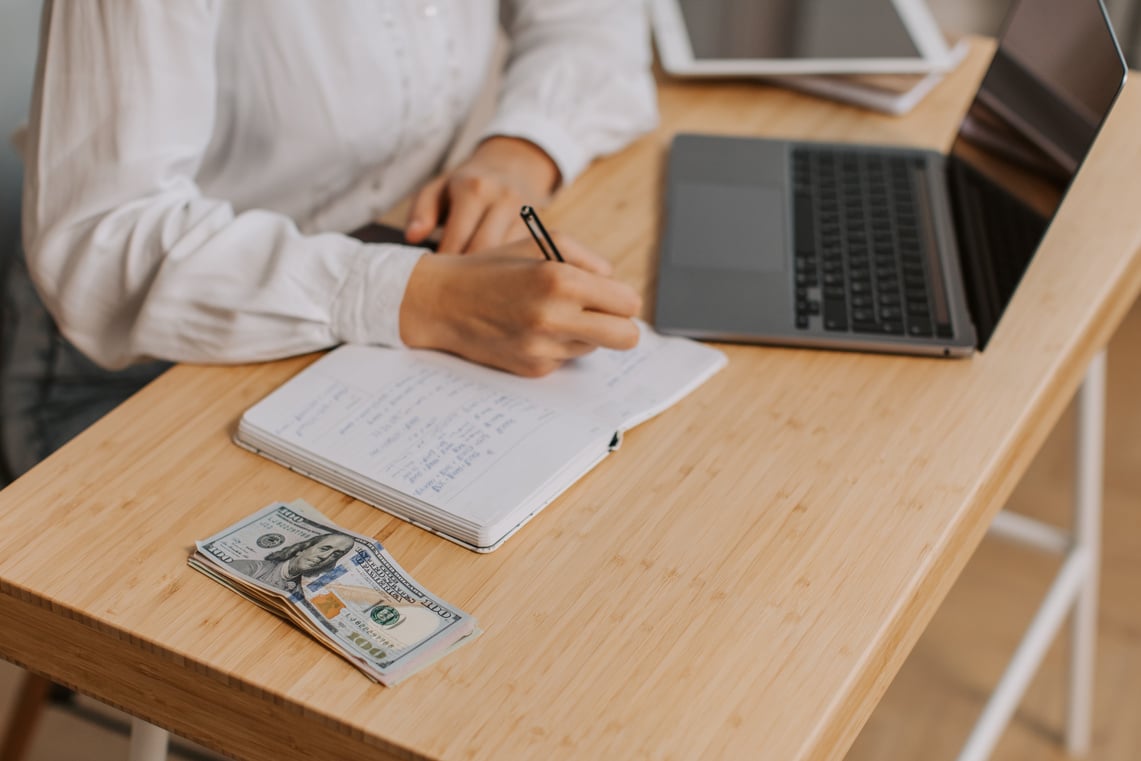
190,162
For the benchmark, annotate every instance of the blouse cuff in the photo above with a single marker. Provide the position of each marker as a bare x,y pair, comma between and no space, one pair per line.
552,137
367,309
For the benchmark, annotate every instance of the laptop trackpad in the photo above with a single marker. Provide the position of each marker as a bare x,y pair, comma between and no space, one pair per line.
729,227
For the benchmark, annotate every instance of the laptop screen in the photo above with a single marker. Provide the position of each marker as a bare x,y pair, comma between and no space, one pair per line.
1050,85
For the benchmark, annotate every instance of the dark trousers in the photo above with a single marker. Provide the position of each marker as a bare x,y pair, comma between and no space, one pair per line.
49,392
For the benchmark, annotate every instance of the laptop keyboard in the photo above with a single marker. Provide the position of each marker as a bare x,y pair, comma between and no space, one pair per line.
861,263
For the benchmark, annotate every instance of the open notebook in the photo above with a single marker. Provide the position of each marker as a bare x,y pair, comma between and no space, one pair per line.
462,450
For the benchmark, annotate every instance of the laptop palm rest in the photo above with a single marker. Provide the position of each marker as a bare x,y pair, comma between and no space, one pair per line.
732,223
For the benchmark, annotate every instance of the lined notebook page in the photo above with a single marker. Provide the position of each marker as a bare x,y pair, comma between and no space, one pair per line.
439,431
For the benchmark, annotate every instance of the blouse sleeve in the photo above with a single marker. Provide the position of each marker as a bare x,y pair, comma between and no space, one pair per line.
128,255
578,81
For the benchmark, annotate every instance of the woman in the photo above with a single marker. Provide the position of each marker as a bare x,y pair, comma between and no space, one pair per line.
191,166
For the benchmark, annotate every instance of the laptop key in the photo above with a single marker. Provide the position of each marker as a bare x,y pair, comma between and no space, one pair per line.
868,327
893,327
920,328
835,315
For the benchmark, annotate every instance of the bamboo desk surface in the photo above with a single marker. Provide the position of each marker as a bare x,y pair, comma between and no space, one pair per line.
741,580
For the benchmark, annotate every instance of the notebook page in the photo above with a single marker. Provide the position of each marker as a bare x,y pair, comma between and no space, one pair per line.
430,426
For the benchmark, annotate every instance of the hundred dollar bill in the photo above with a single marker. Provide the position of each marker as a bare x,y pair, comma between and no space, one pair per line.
341,587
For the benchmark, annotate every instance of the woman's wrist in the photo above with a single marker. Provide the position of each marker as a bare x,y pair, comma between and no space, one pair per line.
422,311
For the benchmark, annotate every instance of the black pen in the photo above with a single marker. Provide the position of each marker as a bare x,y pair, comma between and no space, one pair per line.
540,234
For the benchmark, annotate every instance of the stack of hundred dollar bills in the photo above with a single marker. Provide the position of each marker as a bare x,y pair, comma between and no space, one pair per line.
342,588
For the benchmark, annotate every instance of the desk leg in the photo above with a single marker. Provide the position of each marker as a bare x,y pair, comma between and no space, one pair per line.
1074,589
148,742
1088,478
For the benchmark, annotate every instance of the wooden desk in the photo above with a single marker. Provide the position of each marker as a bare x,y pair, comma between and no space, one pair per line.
742,580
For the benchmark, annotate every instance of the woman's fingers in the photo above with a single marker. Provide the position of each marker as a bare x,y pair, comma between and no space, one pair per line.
499,225
427,208
602,294
523,246
580,256
464,216
602,330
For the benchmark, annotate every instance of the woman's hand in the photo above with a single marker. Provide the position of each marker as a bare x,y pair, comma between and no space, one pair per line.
508,309
479,201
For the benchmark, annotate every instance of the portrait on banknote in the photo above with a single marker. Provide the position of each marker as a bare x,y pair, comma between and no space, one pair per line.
286,568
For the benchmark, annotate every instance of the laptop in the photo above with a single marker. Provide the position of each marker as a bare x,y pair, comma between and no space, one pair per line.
880,248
